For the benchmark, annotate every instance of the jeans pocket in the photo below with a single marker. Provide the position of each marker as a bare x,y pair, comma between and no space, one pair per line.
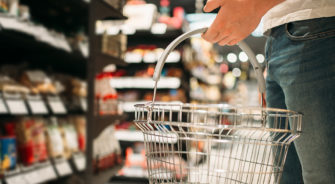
311,29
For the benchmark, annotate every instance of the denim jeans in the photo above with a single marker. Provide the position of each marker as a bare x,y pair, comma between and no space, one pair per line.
301,77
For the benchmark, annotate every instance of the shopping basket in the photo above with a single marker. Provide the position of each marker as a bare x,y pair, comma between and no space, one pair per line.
189,143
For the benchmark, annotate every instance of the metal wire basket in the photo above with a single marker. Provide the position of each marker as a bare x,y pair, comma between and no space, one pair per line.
188,143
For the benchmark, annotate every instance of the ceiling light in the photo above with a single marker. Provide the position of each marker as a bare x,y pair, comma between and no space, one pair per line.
243,57
232,58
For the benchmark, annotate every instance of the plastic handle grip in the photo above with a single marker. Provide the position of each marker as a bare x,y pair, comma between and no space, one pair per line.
244,47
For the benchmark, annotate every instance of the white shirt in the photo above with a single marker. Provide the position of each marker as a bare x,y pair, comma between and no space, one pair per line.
295,10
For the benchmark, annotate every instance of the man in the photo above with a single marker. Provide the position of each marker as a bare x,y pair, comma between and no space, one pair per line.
300,54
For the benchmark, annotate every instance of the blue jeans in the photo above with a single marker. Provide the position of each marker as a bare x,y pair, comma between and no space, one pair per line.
301,77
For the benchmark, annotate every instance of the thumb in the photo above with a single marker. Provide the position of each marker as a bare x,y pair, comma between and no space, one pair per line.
212,4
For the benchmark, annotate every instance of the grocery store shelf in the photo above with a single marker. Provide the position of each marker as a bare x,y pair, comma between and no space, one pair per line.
39,32
145,83
130,57
12,105
101,122
37,45
161,40
38,173
103,60
127,135
103,11
61,15
154,136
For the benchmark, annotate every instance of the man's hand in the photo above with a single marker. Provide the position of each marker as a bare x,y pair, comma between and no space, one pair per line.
236,19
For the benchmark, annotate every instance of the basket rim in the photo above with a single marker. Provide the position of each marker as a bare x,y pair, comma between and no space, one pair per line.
224,106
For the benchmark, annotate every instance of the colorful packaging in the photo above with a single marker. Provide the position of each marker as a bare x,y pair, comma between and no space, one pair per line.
24,134
30,133
80,126
8,152
39,139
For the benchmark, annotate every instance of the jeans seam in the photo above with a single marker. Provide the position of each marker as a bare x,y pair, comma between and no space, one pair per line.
321,35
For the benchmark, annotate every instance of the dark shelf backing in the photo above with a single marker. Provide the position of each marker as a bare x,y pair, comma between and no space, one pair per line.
103,60
103,11
102,122
17,47
161,40
62,15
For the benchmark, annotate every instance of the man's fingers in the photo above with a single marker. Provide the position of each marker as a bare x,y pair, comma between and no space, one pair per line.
210,35
216,27
232,42
212,5
222,35
224,41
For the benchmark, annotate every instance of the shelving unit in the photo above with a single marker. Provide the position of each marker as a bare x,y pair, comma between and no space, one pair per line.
145,83
98,10
48,171
161,40
14,36
38,47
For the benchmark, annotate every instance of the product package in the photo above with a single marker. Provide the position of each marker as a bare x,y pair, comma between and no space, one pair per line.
54,139
30,133
114,45
8,152
39,139
24,129
79,123
38,82
69,137
106,95
9,85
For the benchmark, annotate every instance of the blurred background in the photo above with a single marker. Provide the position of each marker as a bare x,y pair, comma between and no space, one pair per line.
72,70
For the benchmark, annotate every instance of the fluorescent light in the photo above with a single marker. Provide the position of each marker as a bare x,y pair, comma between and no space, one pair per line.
243,57
232,58
219,59
260,58
236,72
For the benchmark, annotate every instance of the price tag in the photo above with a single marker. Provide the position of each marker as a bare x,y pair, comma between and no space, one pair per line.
32,177
16,106
3,108
37,107
63,168
15,179
83,103
47,173
80,162
57,106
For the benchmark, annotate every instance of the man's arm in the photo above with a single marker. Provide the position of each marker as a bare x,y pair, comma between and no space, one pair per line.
236,19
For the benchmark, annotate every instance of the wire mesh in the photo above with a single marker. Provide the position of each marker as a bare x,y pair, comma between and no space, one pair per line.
188,143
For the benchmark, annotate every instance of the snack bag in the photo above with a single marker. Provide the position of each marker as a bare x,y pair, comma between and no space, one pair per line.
39,139
54,139
24,134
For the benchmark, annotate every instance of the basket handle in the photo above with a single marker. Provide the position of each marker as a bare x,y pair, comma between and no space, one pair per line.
244,47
